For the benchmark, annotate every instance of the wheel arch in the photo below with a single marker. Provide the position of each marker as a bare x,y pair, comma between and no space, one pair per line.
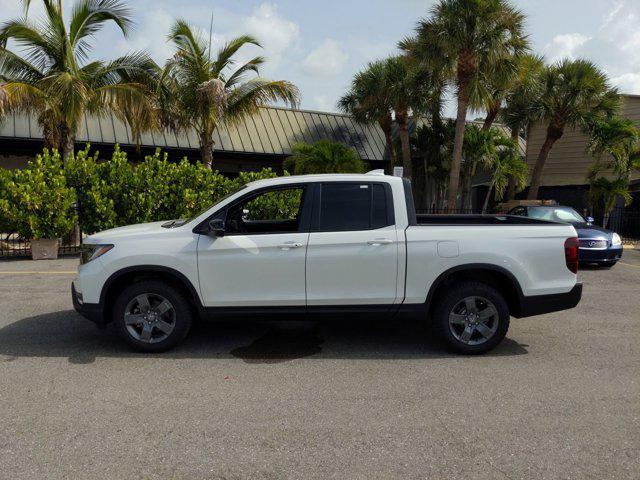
121,279
500,278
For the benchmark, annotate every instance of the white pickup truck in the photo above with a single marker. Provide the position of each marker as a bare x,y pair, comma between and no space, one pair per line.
316,245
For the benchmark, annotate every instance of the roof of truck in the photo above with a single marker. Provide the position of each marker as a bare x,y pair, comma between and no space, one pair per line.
358,177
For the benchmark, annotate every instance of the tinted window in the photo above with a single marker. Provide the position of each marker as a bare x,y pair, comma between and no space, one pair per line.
351,206
379,211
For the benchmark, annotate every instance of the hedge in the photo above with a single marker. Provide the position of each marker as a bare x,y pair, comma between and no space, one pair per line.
39,200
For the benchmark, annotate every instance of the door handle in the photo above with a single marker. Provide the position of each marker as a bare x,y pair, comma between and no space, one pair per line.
289,245
380,241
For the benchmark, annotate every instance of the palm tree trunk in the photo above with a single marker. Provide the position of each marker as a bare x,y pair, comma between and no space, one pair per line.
402,117
465,194
554,132
51,136
486,199
386,124
206,150
491,116
67,140
461,119
511,187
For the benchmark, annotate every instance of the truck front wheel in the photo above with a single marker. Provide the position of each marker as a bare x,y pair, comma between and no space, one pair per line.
471,317
152,316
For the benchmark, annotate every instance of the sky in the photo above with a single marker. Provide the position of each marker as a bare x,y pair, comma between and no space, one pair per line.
319,45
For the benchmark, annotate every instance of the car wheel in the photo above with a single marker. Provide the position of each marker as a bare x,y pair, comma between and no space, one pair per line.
152,316
472,318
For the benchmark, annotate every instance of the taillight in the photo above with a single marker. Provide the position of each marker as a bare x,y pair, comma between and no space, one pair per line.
571,253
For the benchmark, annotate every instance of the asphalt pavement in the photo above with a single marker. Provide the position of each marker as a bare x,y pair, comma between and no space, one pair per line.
558,399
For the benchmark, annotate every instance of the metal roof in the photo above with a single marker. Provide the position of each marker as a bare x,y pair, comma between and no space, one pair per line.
273,131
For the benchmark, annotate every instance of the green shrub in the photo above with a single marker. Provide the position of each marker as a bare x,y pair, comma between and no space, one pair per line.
116,192
96,210
38,202
5,222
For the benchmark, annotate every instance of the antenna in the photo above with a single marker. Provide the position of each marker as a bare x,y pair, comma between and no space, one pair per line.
210,34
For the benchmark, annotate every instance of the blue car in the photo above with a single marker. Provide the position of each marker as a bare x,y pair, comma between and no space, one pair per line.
597,245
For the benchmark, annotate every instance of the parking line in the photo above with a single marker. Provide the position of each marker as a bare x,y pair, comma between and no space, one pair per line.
629,265
38,273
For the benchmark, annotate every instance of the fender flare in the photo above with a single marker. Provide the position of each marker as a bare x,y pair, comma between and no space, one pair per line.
474,266
180,277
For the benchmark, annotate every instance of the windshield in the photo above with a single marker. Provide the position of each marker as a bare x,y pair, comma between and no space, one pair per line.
220,200
556,214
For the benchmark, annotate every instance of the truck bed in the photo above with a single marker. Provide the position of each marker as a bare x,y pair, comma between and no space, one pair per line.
478,220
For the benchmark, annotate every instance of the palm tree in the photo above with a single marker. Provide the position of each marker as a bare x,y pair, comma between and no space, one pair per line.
54,78
573,94
614,143
479,144
505,164
368,102
406,87
617,137
523,92
467,39
323,156
432,143
610,191
202,90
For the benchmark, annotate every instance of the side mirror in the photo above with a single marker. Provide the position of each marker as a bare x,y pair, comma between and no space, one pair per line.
590,220
216,228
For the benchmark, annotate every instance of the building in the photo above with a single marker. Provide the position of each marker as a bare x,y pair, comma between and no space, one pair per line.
565,173
263,140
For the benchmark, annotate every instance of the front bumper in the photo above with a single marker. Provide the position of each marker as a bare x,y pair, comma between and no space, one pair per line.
90,311
610,255
540,304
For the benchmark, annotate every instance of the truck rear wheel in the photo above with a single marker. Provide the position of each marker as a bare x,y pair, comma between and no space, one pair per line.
471,317
152,316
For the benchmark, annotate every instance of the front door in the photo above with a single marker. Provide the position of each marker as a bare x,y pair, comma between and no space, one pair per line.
261,259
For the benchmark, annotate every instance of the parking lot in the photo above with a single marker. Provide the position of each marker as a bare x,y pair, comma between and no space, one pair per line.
560,398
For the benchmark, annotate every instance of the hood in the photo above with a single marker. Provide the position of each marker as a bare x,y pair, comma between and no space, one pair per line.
141,229
591,231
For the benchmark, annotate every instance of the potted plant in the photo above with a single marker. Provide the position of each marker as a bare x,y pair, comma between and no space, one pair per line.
40,204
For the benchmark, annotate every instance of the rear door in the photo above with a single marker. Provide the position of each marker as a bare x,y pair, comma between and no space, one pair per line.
352,255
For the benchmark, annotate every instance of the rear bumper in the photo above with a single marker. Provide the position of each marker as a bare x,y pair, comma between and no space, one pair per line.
540,304
90,311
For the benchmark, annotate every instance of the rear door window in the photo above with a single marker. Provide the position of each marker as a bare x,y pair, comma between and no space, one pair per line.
353,206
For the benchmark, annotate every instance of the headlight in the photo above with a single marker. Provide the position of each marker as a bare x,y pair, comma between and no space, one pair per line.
91,252
616,240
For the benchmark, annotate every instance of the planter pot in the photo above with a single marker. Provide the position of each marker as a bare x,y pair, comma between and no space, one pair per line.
44,249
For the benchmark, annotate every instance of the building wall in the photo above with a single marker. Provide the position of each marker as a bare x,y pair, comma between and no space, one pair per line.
14,161
568,161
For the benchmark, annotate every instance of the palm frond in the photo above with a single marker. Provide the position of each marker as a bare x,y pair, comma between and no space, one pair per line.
239,75
225,55
36,45
255,93
89,16
186,41
15,68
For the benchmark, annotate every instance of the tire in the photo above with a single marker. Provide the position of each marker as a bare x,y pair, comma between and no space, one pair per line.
485,333
156,324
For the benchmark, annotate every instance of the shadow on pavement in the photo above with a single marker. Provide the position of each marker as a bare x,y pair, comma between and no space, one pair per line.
66,334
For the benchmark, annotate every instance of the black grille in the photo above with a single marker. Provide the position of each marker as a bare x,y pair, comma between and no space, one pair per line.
593,243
